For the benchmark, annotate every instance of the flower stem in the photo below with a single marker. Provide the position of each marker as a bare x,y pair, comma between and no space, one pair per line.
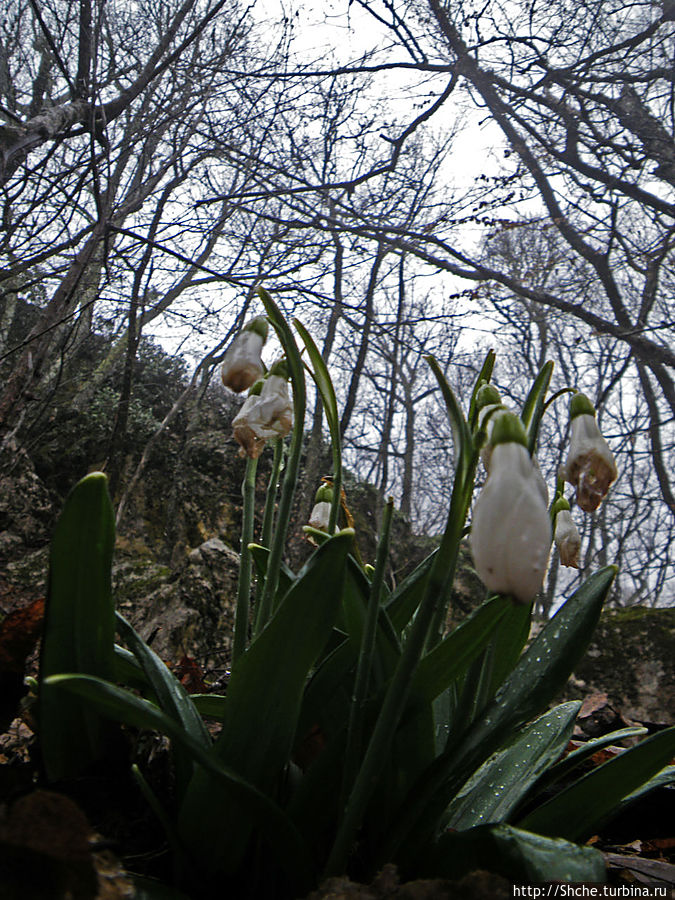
365,661
268,522
244,586
294,454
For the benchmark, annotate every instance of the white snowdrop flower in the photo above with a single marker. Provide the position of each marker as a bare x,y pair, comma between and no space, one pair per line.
541,481
590,465
266,416
511,530
242,365
320,516
566,534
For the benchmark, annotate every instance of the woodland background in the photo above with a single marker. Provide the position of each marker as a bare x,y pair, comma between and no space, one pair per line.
158,160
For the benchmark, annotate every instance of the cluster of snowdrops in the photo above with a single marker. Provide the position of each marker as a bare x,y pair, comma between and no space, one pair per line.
356,729
511,520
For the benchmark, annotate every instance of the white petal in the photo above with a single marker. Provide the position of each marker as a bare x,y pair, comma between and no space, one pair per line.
510,531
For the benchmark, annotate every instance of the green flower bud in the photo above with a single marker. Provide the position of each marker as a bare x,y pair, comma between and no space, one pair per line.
259,326
507,429
280,369
324,494
486,395
559,505
580,405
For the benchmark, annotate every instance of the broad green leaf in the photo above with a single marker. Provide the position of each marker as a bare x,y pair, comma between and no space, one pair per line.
578,756
172,698
260,556
497,787
265,689
577,810
664,778
263,704
126,707
534,405
352,619
127,670
313,806
407,596
324,384
514,854
327,695
321,376
509,639
449,659
460,430
487,671
210,705
79,627
539,675
269,593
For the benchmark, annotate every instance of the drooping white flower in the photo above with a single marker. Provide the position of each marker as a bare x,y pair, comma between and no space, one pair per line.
511,530
566,534
242,365
541,481
320,515
266,416
590,465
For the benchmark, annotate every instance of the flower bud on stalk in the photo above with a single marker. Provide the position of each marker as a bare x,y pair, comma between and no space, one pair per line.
566,534
490,407
590,465
266,416
511,531
320,516
242,365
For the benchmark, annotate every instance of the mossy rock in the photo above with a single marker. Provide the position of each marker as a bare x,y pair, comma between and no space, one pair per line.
631,658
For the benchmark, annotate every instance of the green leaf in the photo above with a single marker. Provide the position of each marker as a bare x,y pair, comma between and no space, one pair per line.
79,627
487,672
534,405
265,689
497,787
260,556
664,778
172,698
539,675
326,698
461,434
484,375
321,377
407,596
263,704
514,854
326,390
449,660
353,618
269,593
577,757
126,707
579,809
509,639
210,705
127,670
